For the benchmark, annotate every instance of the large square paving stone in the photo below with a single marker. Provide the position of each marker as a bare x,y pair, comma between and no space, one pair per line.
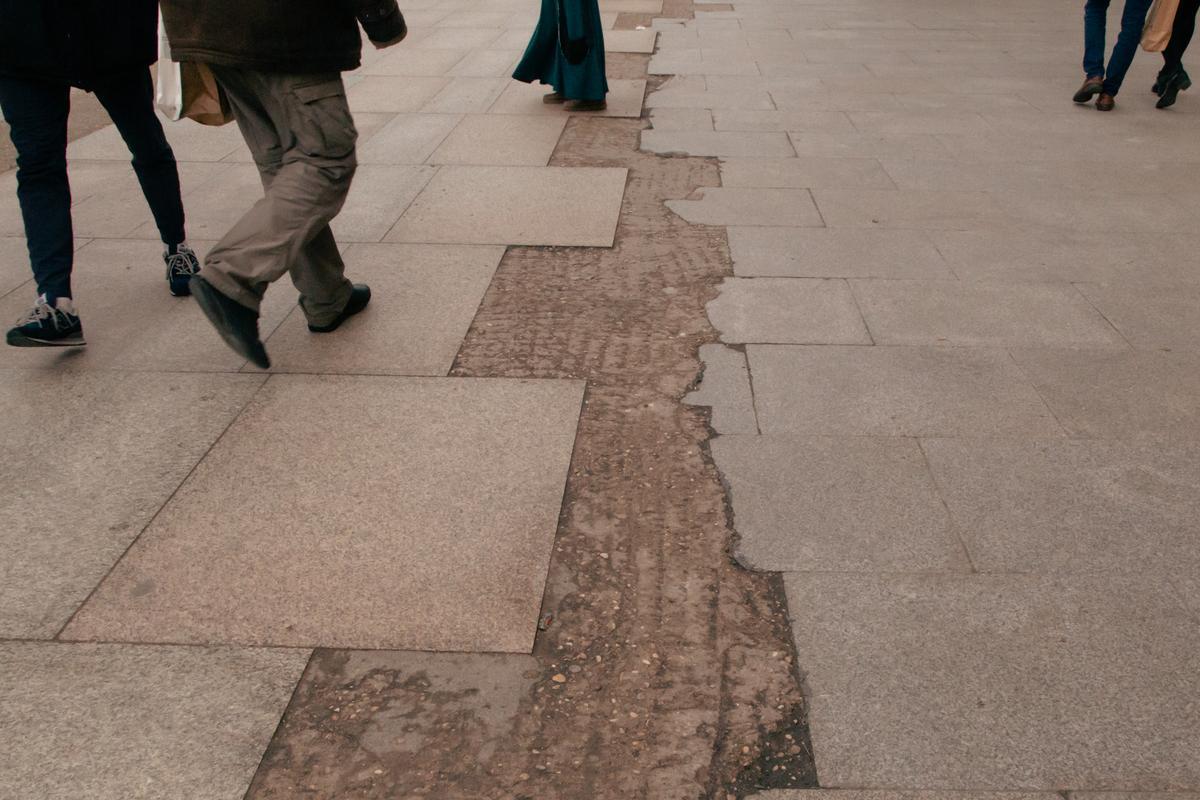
423,300
516,205
1010,682
88,459
357,512
787,311
894,391
115,722
836,504
1072,506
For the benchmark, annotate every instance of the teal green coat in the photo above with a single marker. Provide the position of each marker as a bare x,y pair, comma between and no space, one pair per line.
545,62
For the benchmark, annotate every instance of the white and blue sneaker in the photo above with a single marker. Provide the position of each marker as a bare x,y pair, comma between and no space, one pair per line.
48,325
182,264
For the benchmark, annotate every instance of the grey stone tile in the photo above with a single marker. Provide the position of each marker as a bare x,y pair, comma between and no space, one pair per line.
725,388
982,314
735,119
993,682
807,100
863,208
1070,506
927,121
189,141
1150,317
212,207
894,391
888,794
693,62
679,97
624,100
434,533
516,205
502,140
408,139
804,173
740,206
1118,394
14,264
122,721
378,196
787,311
1134,796
681,119
458,38
391,93
466,96
630,41
423,300
834,253
819,144
487,64
414,62
1054,206
73,503
836,504
632,6
718,143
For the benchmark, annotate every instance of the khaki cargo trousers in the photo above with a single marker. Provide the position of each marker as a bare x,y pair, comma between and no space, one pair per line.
301,136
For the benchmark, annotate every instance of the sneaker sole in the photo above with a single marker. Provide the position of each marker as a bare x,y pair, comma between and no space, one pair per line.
18,340
204,294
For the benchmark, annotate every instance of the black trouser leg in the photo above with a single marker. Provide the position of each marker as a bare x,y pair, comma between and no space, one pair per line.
1181,34
129,100
36,113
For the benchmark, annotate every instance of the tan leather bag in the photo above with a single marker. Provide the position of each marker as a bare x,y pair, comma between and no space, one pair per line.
1160,21
203,99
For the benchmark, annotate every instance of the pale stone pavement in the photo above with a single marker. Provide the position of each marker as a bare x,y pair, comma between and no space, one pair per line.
181,531
958,403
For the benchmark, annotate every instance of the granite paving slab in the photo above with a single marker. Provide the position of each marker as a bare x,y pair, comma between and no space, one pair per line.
113,722
836,504
624,100
1006,682
73,503
393,93
787,311
423,300
516,205
408,139
14,264
1117,394
630,41
747,206
1150,317
1062,506
887,794
982,315
434,533
501,140
894,391
829,253
718,143
725,388
804,173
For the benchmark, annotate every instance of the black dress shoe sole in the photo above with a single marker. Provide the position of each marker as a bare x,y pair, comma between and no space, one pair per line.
213,304
1084,97
17,339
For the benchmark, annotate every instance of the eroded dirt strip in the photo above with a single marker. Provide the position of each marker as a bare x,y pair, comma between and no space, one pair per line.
665,671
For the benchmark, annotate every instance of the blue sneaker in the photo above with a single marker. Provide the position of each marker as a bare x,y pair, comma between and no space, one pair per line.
182,264
48,325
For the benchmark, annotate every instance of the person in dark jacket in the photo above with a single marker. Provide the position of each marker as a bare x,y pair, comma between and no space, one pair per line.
566,52
105,47
1174,78
279,62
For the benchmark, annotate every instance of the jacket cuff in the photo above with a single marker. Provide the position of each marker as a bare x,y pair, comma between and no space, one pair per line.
382,20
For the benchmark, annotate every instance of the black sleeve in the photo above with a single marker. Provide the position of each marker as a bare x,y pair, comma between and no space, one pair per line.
381,19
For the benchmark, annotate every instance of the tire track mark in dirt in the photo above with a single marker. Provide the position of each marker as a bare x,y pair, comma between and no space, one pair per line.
665,670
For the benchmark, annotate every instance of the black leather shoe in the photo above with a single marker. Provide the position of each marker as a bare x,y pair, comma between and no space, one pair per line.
1178,81
237,324
360,295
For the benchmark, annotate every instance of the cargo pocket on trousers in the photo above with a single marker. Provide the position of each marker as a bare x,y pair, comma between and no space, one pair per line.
324,126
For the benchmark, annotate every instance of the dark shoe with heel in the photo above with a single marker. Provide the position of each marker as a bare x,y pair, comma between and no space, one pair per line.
1171,85
182,264
48,325
1091,87
360,295
1106,102
237,324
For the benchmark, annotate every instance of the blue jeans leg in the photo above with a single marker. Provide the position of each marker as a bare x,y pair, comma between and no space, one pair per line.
1133,22
1095,14
36,113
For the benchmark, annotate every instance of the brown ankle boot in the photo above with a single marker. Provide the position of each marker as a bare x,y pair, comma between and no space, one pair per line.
1091,87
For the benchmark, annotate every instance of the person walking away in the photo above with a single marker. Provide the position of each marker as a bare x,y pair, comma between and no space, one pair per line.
105,47
566,52
1101,81
280,62
1174,78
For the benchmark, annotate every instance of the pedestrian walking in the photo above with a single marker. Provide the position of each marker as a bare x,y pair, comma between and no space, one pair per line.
566,53
1174,78
1102,81
105,47
280,62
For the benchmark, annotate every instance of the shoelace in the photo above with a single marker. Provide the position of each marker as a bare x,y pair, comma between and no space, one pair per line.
42,311
183,263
